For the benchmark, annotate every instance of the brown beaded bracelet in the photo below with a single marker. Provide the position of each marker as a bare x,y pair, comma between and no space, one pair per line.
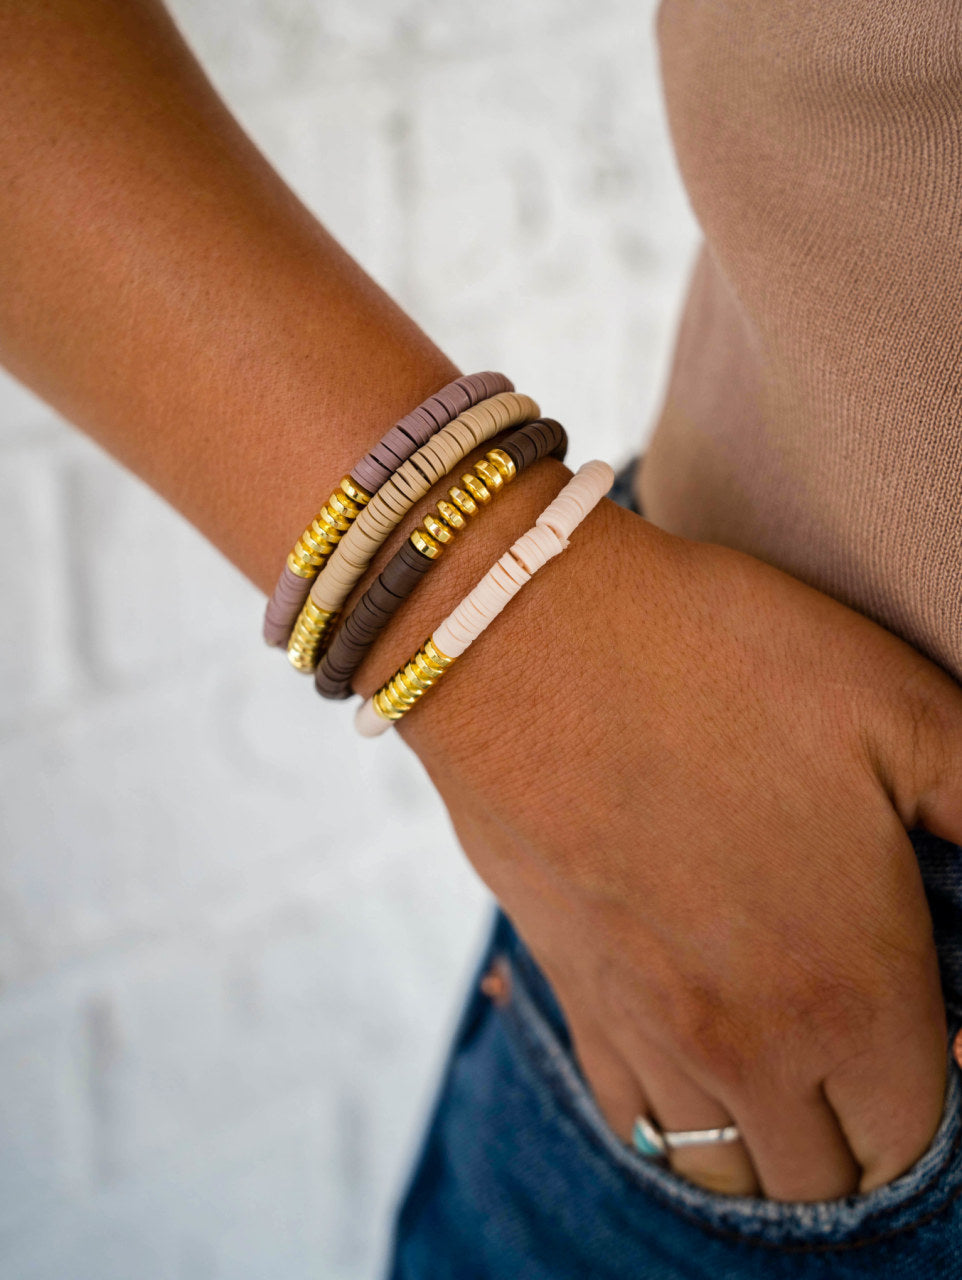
416,555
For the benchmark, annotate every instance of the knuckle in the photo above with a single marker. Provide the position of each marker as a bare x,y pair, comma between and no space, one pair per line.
710,1035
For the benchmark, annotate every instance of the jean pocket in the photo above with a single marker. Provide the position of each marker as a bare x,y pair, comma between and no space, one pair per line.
925,1191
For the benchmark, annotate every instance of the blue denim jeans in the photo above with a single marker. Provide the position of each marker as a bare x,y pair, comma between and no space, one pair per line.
520,1177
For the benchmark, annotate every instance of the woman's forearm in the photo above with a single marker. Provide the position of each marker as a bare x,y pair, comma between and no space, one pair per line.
164,289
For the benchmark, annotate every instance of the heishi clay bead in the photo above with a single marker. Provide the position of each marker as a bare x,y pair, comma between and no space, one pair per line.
463,434
394,498
439,459
535,548
408,480
502,581
421,427
424,469
400,577
368,475
335,583
286,603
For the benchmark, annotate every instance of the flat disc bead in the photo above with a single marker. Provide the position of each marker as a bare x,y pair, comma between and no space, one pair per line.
380,514
463,501
364,544
483,419
476,422
504,464
426,545
415,479
450,402
420,427
503,413
394,500
383,593
428,463
464,435
451,515
438,530
345,560
489,475
354,492
343,506
476,488
377,518
440,455
399,443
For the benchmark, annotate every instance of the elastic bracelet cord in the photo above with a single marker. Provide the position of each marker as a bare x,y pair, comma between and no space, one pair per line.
520,450
480,607
354,492
410,482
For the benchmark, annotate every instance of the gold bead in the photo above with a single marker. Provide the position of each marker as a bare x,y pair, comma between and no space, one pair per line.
355,492
438,531
463,501
300,660
308,550
431,650
418,679
424,669
321,537
490,474
425,544
341,504
314,549
325,534
451,515
307,638
386,709
302,569
399,693
475,487
504,462
316,615
329,522
395,698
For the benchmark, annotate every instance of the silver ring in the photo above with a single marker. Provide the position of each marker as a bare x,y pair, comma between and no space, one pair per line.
649,1139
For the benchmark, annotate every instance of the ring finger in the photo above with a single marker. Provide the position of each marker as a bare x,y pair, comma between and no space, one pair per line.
678,1103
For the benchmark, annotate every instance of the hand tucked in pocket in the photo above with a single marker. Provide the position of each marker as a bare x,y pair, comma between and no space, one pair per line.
688,777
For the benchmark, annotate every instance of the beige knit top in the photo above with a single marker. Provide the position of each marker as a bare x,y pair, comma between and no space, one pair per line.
814,412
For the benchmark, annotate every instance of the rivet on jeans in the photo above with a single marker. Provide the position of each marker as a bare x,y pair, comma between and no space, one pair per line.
496,983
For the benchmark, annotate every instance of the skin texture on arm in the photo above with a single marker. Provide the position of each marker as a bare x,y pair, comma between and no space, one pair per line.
653,696
170,295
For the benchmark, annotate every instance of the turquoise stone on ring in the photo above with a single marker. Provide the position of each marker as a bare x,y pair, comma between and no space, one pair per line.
647,1139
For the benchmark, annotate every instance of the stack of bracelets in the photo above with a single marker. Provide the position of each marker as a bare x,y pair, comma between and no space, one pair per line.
333,553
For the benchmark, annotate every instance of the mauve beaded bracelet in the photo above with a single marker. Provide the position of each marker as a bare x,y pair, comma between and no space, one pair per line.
524,447
355,491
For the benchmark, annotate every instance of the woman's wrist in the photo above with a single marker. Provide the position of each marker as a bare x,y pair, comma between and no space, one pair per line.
522,672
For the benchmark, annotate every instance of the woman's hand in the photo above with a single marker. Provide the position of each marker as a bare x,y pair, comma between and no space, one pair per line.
688,777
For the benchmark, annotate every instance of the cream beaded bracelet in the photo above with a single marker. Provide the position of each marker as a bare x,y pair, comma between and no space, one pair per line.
480,607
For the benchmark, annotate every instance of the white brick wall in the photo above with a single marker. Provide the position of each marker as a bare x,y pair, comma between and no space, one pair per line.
217,1034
